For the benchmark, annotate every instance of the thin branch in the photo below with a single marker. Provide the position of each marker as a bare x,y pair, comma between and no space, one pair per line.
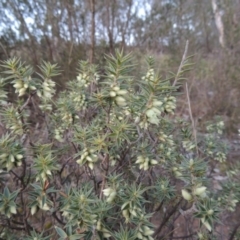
19,178
4,50
183,237
165,220
181,65
106,160
26,103
159,207
64,165
54,214
234,231
191,117
74,146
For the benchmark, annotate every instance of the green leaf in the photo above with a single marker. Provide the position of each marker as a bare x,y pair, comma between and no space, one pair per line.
60,232
76,236
6,192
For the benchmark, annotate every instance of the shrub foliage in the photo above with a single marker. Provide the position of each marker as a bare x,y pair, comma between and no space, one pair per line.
107,158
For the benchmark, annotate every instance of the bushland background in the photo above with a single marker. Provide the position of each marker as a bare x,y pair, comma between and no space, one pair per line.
69,30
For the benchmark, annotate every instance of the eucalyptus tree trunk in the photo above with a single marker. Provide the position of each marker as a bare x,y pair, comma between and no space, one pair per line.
92,3
219,23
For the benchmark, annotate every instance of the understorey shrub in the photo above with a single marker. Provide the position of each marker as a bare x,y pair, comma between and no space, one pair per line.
107,158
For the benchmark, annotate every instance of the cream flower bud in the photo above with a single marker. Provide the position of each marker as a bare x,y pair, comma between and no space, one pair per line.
19,156
157,103
107,191
113,94
145,166
48,172
116,88
111,196
140,159
45,207
21,92
125,214
122,92
206,224
99,225
17,85
90,164
210,212
139,235
13,210
120,101
89,159
154,162
199,191
33,209
186,195
147,231
11,158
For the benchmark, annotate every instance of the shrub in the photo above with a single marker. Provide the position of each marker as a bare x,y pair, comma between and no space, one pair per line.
106,158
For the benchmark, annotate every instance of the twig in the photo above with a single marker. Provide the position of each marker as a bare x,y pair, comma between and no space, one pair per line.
234,231
191,117
166,218
159,207
74,146
64,165
54,214
4,50
106,159
189,211
181,65
18,177
9,226
183,237
26,103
